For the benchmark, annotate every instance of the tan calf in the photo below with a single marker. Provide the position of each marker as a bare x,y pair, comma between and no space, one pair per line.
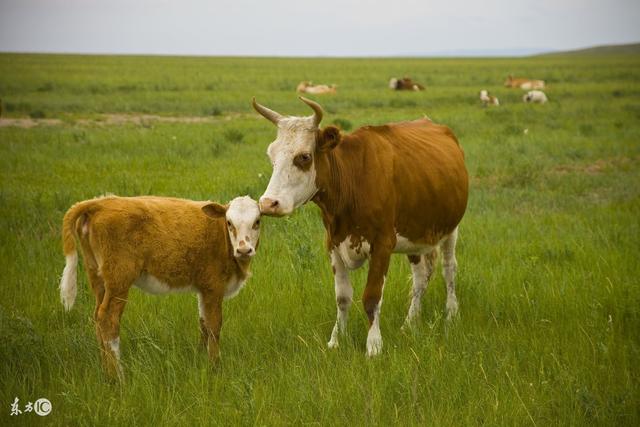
159,245
523,83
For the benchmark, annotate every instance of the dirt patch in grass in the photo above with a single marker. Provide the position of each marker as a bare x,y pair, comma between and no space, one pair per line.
596,167
114,120
28,122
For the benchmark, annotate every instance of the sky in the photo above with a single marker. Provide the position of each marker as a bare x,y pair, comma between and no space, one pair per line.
327,28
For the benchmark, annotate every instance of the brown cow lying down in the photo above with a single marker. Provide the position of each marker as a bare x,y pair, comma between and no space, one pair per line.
159,245
308,87
404,84
523,83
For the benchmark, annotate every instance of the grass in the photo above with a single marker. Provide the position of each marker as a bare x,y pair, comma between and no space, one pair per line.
548,253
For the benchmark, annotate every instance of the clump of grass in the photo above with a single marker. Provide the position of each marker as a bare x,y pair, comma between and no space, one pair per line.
234,136
213,111
47,87
37,114
401,103
343,124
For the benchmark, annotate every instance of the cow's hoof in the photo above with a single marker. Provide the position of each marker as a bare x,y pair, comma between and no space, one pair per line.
332,343
452,309
374,346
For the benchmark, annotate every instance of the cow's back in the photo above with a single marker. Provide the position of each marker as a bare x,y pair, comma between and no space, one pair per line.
429,179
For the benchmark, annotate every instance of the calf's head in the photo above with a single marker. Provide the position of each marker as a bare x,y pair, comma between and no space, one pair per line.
242,216
293,155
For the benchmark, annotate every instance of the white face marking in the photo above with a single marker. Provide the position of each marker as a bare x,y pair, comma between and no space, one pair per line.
354,252
243,225
393,82
290,185
153,285
68,283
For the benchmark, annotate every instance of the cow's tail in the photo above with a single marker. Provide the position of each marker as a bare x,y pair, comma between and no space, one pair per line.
68,283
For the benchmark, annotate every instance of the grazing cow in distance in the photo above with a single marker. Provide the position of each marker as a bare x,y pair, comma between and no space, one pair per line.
535,97
404,84
487,99
308,87
159,245
400,187
522,83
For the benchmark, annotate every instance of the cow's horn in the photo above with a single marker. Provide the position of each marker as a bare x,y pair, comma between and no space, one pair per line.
317,110
268,114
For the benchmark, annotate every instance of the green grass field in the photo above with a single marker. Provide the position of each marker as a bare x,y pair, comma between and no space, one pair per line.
548,282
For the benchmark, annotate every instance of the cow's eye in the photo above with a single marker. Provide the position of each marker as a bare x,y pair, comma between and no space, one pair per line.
302,160
229,224
256,225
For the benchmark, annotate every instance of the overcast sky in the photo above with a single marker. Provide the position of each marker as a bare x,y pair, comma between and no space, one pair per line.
321,28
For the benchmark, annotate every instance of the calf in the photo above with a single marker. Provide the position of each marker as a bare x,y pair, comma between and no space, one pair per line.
487,99
404,84
159,245
535,97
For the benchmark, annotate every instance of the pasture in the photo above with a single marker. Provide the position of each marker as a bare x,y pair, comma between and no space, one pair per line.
548,280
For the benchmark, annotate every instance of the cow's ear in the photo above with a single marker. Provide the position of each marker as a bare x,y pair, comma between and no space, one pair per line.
328,138
215,210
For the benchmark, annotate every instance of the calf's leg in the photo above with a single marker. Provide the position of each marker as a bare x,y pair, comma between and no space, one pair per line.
211,304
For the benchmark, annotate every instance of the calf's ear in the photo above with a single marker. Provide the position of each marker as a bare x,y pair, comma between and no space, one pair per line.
215,210
328,138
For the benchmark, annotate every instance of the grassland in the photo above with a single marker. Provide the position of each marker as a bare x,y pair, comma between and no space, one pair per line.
548,283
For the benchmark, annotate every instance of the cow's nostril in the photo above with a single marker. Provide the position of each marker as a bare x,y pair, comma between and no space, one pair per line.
274,203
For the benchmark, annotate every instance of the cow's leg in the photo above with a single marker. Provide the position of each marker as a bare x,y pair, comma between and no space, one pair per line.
97,286
344,296
449,267
211,304
108,322
421,270
204,334
372,297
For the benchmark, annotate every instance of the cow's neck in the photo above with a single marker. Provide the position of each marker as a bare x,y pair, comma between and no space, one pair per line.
335,186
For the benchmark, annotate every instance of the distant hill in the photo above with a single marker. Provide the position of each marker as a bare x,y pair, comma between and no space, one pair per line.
613,49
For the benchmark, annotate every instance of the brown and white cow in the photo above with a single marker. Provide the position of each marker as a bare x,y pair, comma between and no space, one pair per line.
523,83
159,245
487,99
404,84
401,188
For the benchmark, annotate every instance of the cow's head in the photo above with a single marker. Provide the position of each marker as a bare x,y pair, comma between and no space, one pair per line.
293,155
243,224
507,82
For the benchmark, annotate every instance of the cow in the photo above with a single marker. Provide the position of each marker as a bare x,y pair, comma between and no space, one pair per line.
535,97
523,83
404,84
396,188
308,87
158,245
487,99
